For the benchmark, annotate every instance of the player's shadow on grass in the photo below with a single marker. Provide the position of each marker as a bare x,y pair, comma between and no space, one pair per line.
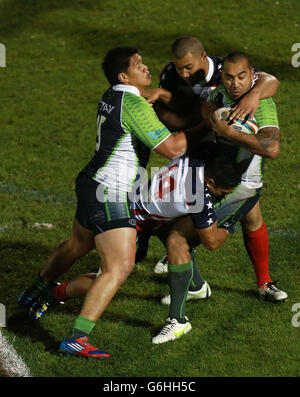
251,293
23,326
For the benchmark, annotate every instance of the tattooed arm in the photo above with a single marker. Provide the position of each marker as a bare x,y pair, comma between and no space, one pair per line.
265,143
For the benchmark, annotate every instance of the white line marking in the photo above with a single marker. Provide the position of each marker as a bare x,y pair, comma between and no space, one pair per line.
11,362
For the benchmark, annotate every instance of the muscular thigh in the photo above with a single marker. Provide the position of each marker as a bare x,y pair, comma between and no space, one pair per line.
116,248
181,230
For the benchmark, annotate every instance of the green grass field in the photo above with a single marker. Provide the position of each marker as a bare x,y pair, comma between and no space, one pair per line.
49,91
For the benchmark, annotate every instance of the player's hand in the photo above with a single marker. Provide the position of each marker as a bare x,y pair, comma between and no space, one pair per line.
154,94
248,105
221,127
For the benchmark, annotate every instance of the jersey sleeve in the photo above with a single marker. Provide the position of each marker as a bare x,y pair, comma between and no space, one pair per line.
266,114
207,216
139,118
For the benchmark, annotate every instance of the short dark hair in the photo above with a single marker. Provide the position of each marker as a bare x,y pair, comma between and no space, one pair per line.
235,57
184,44
117,61
225,172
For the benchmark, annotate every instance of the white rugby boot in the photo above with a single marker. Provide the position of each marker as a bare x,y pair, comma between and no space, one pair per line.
202,293
271,293
161,266
172,330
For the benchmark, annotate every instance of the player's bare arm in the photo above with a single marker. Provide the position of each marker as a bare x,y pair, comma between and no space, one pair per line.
155,94
265,143
174,146
212,237
265,86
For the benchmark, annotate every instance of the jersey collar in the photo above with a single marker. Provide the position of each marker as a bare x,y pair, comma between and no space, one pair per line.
211,69
128,88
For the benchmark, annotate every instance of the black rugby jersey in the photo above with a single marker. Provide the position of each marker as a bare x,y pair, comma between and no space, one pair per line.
171,81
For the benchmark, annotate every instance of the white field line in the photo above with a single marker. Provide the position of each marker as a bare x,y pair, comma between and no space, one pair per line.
11,363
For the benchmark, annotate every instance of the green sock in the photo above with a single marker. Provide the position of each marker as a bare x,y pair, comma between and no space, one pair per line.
179,278
82,327
197,281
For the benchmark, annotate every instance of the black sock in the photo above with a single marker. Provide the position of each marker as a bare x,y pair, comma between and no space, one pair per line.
197,281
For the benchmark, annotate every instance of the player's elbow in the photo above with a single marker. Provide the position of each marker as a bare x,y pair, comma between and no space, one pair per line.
273,156
273,151
177,152
173,147
211,244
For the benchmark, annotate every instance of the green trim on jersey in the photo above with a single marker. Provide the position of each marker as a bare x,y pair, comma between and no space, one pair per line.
139,118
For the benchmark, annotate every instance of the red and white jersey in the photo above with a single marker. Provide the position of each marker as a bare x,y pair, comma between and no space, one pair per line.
174,191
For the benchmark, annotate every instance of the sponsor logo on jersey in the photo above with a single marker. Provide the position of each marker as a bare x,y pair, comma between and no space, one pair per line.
156,134
132,222
105,107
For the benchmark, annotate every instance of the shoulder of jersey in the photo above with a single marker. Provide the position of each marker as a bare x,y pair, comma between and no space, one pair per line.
217,61
170,75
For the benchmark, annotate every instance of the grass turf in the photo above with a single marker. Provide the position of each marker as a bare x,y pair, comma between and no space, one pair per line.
49,91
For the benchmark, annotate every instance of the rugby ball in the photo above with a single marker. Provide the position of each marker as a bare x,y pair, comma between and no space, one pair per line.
247,126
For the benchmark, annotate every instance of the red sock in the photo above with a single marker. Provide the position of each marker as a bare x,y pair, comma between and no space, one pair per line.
257,246
59,292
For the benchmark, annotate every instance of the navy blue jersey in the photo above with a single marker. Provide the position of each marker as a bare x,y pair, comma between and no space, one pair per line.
171,81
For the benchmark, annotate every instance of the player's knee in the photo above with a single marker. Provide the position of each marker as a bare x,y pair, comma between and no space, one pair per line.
123,270
178,249
77,249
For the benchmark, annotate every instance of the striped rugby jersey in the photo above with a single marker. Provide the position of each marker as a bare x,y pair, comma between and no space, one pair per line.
174,191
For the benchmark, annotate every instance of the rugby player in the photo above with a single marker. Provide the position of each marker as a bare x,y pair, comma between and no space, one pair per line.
127,129
186,81
192,68
243,204
184,187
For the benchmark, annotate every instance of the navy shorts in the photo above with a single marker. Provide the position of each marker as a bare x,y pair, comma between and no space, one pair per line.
100,209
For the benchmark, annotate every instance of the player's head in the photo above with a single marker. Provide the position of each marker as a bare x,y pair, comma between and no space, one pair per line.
190,59
123,65
221,175
237,74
